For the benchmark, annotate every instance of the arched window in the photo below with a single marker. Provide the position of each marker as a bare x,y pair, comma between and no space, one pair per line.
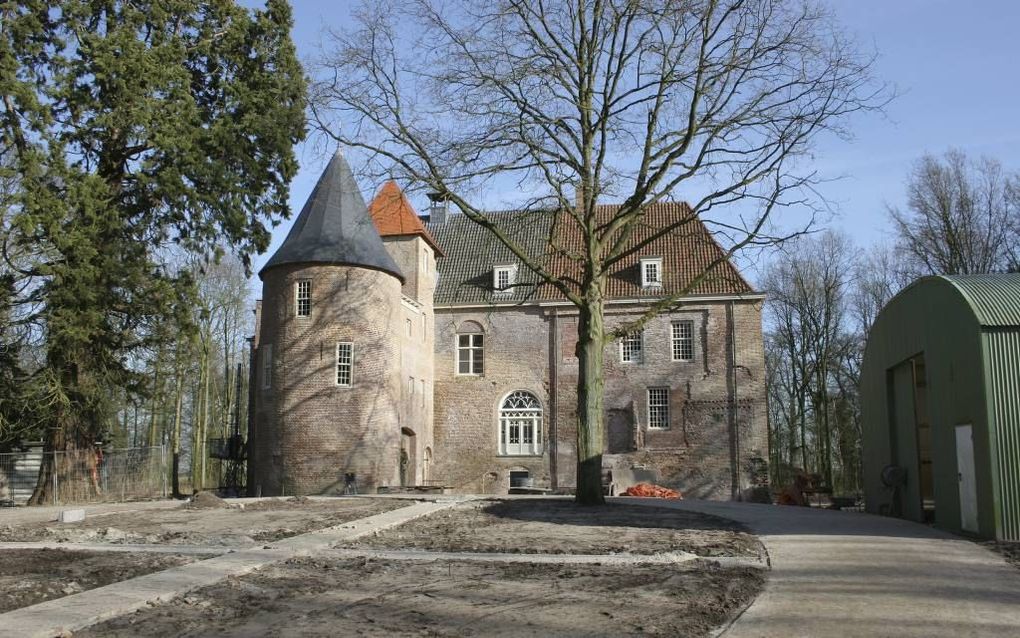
520,425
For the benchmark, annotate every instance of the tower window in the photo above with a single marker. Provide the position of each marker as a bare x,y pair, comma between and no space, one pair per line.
267,366
651,272
304,298
344,363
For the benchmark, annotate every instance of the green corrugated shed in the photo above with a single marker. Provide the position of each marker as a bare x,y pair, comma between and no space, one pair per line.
941,376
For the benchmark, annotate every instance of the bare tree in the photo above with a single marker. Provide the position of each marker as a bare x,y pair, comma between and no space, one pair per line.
962,216
579,100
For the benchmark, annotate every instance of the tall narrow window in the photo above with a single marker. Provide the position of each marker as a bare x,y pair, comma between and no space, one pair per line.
344,364
410,388
470,354
631,347
304,298
520,425
658,408
422,383
408,324
651,272
683,340
267,366
424,327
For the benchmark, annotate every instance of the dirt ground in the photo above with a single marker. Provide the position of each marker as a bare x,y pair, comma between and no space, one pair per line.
559,526
30,576
315,597
1008,549
209,521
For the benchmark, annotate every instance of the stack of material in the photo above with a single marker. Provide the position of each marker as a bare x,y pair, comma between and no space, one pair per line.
652,491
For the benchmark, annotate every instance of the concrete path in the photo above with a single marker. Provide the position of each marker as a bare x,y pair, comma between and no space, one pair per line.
665,558
151,548
68,614
16,516
851,574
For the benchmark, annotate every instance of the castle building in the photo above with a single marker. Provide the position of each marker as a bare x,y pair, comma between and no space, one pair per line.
415,351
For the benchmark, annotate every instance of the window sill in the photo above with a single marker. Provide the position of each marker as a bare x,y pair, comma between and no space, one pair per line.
504,455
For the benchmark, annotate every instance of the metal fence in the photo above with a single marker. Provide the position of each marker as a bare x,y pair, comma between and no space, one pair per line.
84,476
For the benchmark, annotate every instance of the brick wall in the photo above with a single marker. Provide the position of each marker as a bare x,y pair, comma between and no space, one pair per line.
307,431
704,451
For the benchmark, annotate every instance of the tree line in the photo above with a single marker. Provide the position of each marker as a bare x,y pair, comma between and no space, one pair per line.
145,150
961,216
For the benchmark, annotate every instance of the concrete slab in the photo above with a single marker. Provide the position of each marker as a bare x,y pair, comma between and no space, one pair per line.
71,516
68,614
851,574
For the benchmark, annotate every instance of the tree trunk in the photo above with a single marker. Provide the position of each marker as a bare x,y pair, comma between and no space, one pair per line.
590,412
175,477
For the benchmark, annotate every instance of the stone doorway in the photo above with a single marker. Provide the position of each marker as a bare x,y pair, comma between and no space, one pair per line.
408,455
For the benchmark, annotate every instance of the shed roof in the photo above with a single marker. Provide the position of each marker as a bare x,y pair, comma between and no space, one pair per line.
334,227
994,298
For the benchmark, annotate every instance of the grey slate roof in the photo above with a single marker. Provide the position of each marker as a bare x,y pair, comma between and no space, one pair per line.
334,227
465,274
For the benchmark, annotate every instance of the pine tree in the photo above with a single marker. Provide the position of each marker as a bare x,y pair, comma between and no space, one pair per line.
137,129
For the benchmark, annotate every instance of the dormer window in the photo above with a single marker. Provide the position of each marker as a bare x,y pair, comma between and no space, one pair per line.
503,278
651,272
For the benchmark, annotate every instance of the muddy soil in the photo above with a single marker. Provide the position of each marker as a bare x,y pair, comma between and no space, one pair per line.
231,526
1007,549
30,576
559,526
348,597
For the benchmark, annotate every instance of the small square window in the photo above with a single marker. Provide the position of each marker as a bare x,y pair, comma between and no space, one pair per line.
658,408
631,347
504,278
304,298
651,272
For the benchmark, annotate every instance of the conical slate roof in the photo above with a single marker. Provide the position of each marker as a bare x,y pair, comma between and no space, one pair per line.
334,227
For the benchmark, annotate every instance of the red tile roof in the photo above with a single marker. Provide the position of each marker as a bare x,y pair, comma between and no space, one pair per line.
668,230
394,216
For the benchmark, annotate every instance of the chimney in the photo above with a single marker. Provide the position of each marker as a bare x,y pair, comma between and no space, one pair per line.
438,208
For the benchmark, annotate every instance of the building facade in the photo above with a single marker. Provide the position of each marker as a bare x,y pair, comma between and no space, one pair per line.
414,353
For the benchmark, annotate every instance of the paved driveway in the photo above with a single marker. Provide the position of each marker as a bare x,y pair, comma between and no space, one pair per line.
850,574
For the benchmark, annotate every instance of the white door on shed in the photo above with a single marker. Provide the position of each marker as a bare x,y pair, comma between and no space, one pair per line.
966,478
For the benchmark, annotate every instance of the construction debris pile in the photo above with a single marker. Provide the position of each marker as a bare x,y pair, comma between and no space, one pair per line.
652,491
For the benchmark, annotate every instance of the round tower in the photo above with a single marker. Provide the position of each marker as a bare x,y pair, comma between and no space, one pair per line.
326,374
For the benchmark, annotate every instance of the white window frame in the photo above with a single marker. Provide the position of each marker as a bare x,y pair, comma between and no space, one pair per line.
511,279
344,365
476,365
677,340
267,366
519,421
304,296
654,420
630,338
647,282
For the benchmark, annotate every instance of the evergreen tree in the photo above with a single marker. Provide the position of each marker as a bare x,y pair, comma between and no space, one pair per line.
137,128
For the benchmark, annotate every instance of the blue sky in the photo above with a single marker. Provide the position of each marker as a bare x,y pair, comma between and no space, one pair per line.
954,64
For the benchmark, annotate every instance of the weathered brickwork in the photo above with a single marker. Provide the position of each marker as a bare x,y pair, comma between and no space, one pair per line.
703,451
410,416
307,430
